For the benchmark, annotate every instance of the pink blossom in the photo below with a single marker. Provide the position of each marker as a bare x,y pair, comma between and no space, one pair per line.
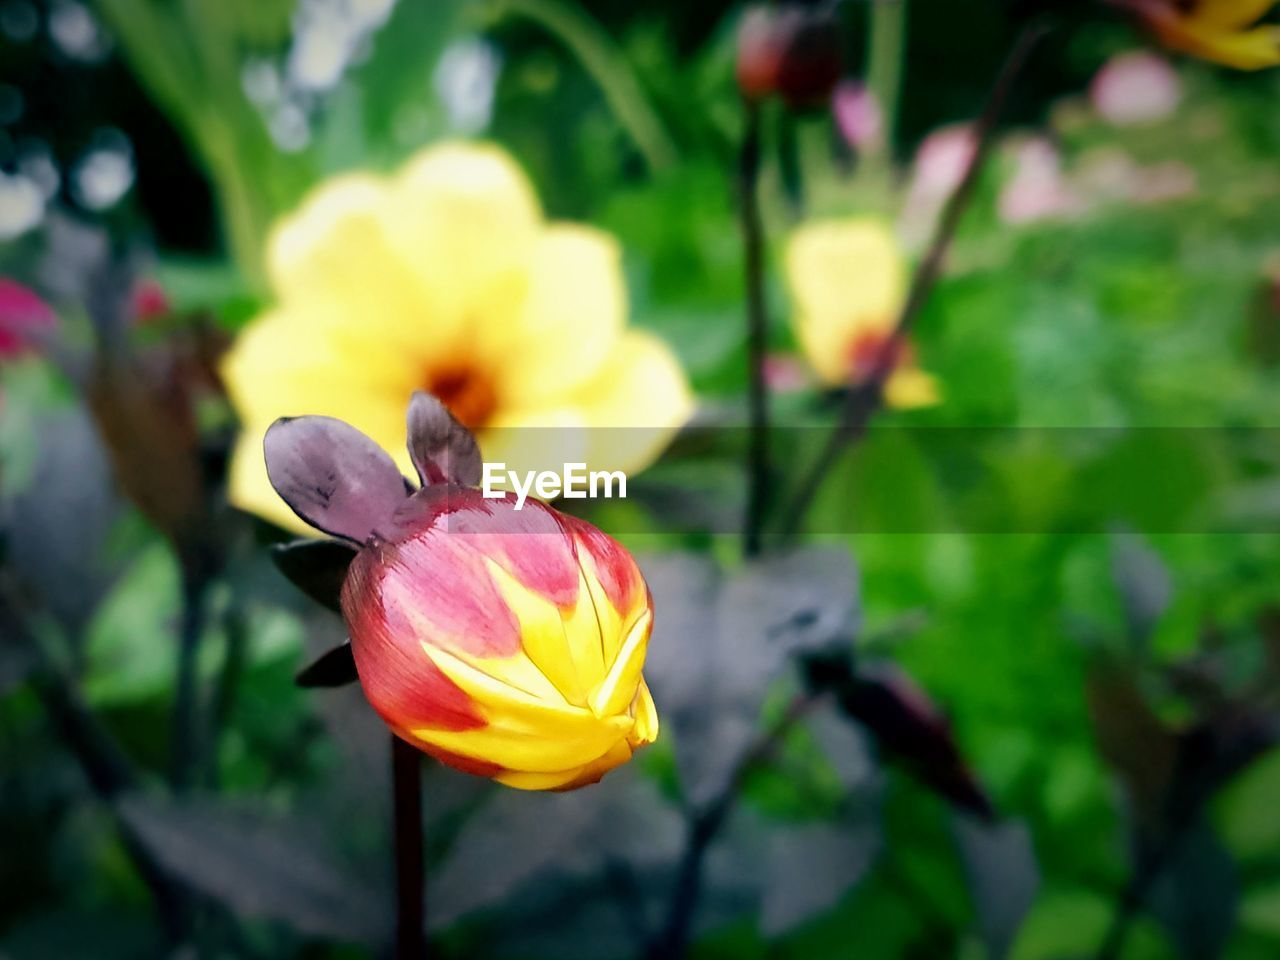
1135,88
785,373
857,115
1037,189
25,319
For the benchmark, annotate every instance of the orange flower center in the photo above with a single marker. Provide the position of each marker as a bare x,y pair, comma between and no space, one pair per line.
468,393
871,350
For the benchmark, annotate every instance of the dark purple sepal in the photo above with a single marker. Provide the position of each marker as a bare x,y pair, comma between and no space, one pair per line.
442,449
316,567
332,475
333,668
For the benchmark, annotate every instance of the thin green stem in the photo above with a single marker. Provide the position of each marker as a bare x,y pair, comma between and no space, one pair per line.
187,743
757,332
105,765
886,47
866,398
704,826
607,65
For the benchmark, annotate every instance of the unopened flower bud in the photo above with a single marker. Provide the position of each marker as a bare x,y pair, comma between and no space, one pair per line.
790,50
505,642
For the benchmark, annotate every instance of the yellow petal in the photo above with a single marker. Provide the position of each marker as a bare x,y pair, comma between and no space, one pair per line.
1232,14
574,312
646,714
465,219
569,779
846,278
634,405
1242,49
619,688
280,365
523,732
334,262
548,640
275,370
1248,50
910,387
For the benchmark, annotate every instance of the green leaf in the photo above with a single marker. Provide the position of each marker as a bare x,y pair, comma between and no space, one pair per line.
131,647
1245,810
1074,923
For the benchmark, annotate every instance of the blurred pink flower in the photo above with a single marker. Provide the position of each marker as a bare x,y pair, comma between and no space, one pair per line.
1135,88
1037,189
150,301
25,319
941,161
857,115
1109,175
786,373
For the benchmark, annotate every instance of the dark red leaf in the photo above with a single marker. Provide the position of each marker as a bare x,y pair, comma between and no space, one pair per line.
316,567
335,668
332,475
906,726
443,450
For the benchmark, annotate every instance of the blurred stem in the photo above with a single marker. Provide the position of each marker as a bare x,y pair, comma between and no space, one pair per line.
757,330
105,766
186,705
607,65
411,894
233,663
886,44
705,825
865,398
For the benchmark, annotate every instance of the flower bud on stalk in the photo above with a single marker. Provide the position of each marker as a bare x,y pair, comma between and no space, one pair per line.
506,644
790,50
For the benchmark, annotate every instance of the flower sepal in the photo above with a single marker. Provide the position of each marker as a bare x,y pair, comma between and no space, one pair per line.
335,667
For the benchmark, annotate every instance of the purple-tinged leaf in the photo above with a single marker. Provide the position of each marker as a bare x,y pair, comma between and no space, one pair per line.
1132,737
999,862
443,450
332,475
1143,582
810,867
259,865
334,668
906,725
316,567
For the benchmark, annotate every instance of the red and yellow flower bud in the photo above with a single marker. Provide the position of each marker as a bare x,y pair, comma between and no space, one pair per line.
505,643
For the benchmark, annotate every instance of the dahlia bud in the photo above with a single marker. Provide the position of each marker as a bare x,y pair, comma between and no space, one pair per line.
506,643
790,50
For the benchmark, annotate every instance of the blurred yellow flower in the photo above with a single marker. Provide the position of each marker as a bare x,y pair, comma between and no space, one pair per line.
445,277
847,280
1222,31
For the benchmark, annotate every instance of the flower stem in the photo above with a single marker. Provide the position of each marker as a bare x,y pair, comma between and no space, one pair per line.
757,331
411,894
105,766
186,706
705,825
886,44
867,397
